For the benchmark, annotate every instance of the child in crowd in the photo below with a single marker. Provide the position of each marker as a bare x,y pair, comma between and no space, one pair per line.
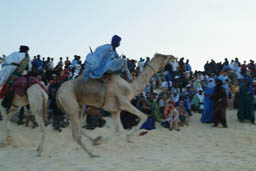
172,116
183,114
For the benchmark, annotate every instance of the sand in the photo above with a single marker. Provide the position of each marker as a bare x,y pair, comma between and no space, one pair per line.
198,147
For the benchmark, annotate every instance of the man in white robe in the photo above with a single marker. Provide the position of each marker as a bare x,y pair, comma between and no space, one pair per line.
11,63
14,65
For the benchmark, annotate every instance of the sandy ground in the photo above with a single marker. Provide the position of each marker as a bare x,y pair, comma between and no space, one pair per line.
198,147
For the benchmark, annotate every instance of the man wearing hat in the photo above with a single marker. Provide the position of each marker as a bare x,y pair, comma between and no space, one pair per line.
14,66
105,59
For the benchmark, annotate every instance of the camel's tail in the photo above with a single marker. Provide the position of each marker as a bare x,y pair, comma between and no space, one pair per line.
59,103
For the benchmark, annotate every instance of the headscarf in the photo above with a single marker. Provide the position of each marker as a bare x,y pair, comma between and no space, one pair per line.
24,48
115,42
211,83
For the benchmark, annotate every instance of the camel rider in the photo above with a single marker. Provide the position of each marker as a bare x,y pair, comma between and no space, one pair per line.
14,65
106,60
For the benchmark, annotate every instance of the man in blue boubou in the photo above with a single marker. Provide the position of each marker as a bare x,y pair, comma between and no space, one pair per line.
106,60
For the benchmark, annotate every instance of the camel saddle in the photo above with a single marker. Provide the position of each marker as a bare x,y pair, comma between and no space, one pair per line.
21,85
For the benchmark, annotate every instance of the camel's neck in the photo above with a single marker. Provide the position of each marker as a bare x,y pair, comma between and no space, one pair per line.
144,77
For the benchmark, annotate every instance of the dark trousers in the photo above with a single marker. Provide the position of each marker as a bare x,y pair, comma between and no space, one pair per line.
219,115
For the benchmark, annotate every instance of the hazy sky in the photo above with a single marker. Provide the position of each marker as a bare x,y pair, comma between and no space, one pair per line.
196,29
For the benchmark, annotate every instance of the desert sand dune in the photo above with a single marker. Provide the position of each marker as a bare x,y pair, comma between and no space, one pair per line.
198,147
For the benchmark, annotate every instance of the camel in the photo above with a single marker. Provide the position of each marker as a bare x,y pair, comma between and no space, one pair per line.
112,95
37,99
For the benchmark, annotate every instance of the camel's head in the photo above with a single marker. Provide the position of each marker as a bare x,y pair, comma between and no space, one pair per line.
163,59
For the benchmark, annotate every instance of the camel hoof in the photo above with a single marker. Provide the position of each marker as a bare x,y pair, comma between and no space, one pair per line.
128,139
9,140
38,149
97,141
94,156
2,144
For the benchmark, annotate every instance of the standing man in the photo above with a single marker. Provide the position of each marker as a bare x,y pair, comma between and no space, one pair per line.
246,108
220,103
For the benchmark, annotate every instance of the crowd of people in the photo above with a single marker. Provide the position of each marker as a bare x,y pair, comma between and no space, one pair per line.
171,97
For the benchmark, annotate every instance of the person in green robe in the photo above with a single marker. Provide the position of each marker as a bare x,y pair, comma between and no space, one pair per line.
154,106
245,109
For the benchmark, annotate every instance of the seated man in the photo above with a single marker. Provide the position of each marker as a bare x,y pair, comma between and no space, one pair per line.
106,60
197,102
94,118
150,122
155,113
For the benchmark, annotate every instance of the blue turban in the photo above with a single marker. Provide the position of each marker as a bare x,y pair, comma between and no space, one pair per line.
115,42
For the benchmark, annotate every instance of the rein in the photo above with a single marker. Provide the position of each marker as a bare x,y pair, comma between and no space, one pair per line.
151,68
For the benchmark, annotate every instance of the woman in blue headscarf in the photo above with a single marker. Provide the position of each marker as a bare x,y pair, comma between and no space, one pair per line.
105,59
245,109
207,116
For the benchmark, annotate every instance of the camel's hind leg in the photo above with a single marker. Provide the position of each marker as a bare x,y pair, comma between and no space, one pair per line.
71,107
36,107
76,133
143,117
6,124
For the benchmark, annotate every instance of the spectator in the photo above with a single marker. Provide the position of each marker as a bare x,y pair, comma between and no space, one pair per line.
67,62
207,115
172,116
155,108
220,104
197,102
183,114
246,108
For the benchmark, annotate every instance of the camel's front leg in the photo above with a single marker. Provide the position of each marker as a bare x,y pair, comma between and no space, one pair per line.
83,133
118,129
143,117
5,120
6,124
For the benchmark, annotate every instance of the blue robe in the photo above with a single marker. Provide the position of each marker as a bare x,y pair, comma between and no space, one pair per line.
102,60
207,116
149,124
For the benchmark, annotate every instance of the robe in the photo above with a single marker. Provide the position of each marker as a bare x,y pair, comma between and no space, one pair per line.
220,103
245,108
8,69
207,115
104,59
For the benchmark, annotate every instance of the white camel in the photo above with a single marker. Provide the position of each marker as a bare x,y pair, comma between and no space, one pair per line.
37,99
113,95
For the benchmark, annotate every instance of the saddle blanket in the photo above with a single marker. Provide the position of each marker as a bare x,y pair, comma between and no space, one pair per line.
21,85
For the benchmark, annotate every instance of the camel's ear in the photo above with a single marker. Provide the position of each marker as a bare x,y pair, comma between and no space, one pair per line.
172,58
156,54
